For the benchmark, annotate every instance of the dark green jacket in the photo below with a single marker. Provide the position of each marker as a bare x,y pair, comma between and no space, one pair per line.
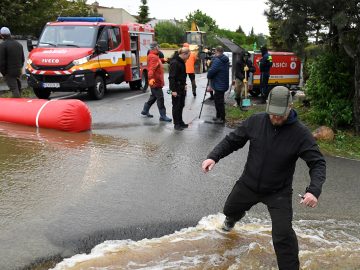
11,57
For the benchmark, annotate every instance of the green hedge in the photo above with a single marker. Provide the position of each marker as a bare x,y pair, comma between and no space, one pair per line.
168,46
330,90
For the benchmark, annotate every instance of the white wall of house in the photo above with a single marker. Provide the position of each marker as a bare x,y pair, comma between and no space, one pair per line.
116,15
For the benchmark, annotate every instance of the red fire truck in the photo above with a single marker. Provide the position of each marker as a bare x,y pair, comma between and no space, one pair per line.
84,54
285,71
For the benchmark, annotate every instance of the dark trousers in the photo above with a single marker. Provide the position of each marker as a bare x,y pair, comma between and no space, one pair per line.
264,84
158,96
219,104
193,83
178,103
279,205
14,84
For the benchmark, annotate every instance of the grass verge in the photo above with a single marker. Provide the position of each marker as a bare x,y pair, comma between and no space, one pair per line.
25,93
345,144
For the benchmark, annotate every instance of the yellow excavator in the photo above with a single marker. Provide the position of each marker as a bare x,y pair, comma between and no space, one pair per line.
196,40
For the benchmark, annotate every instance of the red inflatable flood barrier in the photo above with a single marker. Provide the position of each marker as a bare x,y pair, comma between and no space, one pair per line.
68,115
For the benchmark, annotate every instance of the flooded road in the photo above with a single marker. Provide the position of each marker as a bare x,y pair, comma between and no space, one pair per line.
130,195
326,244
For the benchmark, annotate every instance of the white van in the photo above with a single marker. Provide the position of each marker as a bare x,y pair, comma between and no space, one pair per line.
230,55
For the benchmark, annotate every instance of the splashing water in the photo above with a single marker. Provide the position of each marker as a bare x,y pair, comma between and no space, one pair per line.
326,244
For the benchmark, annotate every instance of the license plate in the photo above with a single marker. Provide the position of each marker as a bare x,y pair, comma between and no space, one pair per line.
51,85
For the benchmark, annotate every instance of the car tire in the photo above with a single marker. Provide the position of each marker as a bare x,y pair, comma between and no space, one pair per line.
42,93
140,84
97,92
144,84
134,85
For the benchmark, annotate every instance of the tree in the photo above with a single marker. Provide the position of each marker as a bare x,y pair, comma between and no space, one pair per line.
240,30
328,89
289,20
276,40
167,32
237,38
347,22
251,39
29,17
143,15
333,23
203,21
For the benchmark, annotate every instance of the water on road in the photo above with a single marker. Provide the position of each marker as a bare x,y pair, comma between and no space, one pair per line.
324,245
130,195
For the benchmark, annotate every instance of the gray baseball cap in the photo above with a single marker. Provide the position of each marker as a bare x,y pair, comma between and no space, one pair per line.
154,45
278,101
5,31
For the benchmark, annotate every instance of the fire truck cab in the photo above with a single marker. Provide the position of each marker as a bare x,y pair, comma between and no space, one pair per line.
285,71
84,54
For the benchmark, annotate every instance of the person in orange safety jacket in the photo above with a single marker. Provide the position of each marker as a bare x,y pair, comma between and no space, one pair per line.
190,69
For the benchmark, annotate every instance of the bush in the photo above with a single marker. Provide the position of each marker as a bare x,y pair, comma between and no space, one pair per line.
330,90
167,32
168,46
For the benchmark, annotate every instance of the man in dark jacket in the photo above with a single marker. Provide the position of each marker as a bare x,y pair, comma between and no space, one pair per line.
177,81
277,140
218,74
156,83
11,61
265,65
242,66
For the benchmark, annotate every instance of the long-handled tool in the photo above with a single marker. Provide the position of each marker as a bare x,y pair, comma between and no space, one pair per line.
246,101
202,104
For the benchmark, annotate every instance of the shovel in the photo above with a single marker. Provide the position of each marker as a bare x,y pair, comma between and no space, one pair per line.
246,101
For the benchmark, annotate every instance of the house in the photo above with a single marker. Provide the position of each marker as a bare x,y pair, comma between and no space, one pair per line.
113,15
153,22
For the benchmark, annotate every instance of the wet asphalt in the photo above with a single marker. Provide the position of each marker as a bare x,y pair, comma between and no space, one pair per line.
134,177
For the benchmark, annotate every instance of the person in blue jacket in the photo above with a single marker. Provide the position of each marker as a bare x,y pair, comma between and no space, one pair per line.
265,65
218,74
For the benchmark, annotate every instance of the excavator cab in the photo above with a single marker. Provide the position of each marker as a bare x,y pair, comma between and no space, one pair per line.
196,40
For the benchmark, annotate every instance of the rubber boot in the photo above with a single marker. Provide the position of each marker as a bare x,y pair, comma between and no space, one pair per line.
237,104
163,116
211,95
193,87
145,110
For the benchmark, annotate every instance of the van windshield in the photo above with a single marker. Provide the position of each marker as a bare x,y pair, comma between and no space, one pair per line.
68,36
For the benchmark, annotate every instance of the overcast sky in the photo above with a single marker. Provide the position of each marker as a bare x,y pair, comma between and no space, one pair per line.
228,14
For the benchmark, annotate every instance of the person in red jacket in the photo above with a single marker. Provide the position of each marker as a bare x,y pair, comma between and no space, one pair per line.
156,83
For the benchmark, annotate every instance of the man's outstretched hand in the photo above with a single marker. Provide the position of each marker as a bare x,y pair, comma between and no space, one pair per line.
309,200
207,165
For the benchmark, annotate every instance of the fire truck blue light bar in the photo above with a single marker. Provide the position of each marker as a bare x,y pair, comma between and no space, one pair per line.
80,19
